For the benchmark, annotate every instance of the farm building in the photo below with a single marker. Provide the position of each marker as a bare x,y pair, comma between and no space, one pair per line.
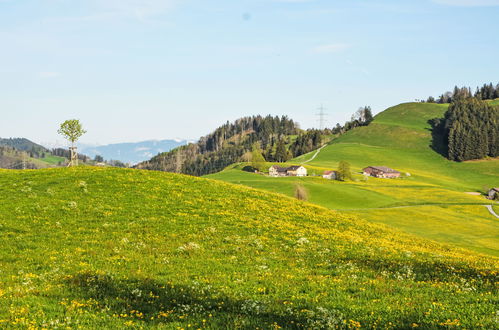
381,172
297,171
331,175
287,171
275,170
493,193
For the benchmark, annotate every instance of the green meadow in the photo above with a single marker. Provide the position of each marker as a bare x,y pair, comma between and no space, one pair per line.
107,248
431,199
53,160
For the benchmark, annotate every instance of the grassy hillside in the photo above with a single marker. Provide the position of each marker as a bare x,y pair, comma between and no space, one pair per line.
436,189
114,248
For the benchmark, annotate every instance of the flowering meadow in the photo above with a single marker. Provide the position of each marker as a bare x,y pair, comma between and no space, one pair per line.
115,248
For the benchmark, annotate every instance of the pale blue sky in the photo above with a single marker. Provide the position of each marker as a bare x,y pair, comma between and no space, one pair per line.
154,69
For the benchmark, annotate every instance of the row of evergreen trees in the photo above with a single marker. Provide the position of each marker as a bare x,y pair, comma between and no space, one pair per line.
470,129
486,92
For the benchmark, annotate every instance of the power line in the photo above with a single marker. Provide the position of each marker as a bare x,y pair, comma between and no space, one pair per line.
322,117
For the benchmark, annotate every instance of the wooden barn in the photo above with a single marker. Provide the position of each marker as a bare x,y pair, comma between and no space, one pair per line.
381,172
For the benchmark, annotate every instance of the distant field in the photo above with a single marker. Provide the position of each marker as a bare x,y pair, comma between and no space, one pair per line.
400,138
53,160
118,248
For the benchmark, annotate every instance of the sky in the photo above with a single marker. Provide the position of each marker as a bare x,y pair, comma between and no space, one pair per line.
134,70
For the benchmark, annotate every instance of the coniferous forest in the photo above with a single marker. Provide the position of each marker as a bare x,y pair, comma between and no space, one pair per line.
471,129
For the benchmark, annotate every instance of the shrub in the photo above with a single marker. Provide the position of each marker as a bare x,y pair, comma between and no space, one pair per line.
301,193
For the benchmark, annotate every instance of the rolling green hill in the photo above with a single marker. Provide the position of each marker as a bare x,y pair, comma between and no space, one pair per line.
435,193
114,248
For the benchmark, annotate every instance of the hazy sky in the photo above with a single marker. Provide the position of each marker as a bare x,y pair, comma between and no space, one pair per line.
134,70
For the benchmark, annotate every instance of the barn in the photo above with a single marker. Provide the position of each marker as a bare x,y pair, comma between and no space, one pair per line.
381,172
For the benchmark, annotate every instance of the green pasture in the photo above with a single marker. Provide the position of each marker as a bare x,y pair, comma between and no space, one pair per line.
107,248
400,138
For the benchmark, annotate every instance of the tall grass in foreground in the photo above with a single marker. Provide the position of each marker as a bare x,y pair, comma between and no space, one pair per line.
115,248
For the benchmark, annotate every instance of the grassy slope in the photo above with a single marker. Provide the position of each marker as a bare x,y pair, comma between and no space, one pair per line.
53,160
400,138
108,248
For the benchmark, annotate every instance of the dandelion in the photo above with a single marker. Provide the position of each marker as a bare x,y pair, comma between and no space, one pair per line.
302,241
189,247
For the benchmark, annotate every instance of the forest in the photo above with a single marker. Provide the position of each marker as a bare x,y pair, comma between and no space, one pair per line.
470,128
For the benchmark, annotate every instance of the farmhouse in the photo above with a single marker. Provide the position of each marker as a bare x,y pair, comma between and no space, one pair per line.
287,171
331,175
275,170
297,171
493,193
381,172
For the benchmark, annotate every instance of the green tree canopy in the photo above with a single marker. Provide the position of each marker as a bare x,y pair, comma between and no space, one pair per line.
257,160
344,172
71,130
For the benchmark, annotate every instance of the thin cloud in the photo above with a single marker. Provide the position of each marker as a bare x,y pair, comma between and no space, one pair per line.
48,74
468,3
293,1
331,48
135,8
103,10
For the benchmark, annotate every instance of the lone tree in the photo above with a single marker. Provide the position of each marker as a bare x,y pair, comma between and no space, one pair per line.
344,172
72,130
257,160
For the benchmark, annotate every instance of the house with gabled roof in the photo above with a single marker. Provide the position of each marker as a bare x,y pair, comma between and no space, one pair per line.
330,175
381,172
295,170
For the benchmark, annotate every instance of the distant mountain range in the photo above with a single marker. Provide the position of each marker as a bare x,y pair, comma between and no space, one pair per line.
132,152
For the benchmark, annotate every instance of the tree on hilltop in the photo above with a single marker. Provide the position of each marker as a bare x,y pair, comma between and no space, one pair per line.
72,130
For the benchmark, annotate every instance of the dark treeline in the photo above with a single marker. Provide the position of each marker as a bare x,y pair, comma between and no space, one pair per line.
470,128
307,142
361,117
486,92
61,152
234,142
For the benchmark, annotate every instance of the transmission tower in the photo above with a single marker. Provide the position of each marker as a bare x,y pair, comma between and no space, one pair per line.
322,117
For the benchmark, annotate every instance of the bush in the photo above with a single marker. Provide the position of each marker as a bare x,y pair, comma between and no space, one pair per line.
249,168
301,192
